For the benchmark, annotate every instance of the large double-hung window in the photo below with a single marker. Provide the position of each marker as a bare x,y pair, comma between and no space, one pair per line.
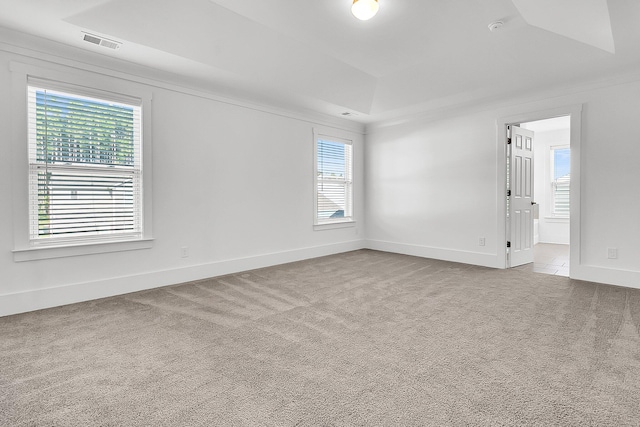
85,165
334,180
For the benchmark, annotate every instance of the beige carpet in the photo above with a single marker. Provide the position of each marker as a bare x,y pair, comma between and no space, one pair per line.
364,339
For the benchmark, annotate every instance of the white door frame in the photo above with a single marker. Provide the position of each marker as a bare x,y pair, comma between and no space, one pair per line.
575,112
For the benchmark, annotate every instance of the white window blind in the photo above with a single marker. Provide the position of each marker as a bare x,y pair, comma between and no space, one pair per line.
561,187
85,167
561,180
334,181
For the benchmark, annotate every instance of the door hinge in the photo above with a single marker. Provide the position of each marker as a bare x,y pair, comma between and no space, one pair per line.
508,244
508,193
508,141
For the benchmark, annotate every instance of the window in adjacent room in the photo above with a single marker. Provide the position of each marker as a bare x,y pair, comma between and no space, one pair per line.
560,180
85,166
334,180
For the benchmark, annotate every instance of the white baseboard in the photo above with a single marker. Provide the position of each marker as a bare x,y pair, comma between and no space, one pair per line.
608,276
38,299
466,257
555,241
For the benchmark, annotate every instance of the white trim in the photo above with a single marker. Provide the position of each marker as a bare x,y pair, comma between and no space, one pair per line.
322,225
38,253
453,255
608,276
459,105
21,74
559,219
334,225
71,89
575,111
38,299
41,49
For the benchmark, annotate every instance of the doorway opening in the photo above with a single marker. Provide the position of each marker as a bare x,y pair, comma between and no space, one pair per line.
551,207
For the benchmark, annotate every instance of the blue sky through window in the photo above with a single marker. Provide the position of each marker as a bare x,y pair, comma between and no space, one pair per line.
561,162
330,159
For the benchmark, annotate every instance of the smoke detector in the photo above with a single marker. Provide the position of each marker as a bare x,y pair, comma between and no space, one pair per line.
495,25
101,41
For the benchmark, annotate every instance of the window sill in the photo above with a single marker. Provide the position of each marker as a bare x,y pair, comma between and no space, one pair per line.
556,218
34,254
334,225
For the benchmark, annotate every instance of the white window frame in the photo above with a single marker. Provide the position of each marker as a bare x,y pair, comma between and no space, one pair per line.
551,183
348,220
82,83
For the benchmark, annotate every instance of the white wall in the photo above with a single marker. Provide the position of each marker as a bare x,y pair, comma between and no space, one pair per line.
431,189
231,182
433,183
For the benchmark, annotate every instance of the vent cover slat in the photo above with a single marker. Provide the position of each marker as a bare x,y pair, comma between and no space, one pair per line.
110,44
91,39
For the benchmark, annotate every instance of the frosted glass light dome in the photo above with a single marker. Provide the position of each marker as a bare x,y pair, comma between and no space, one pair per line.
364,9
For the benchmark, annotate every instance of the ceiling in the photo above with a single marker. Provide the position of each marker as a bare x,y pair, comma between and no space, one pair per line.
414,56
549,125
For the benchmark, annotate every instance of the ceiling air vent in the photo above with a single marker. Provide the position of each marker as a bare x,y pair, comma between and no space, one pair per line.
100,41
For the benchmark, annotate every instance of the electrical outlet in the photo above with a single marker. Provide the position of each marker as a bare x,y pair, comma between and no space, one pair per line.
481,241
184,252
612,253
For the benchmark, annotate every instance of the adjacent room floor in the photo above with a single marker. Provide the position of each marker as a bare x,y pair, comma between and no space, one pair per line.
549,259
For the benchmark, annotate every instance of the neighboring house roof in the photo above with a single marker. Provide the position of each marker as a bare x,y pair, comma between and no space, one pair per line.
327,204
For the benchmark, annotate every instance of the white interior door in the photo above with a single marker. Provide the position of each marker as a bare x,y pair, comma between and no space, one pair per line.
521,200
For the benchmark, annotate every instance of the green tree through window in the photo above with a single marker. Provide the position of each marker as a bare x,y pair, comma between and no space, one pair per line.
85,164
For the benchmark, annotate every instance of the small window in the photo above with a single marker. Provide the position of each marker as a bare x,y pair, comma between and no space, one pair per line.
85,166
334,180
560,180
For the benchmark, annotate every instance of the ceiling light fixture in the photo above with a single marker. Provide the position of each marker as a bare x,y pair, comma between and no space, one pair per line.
364,9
